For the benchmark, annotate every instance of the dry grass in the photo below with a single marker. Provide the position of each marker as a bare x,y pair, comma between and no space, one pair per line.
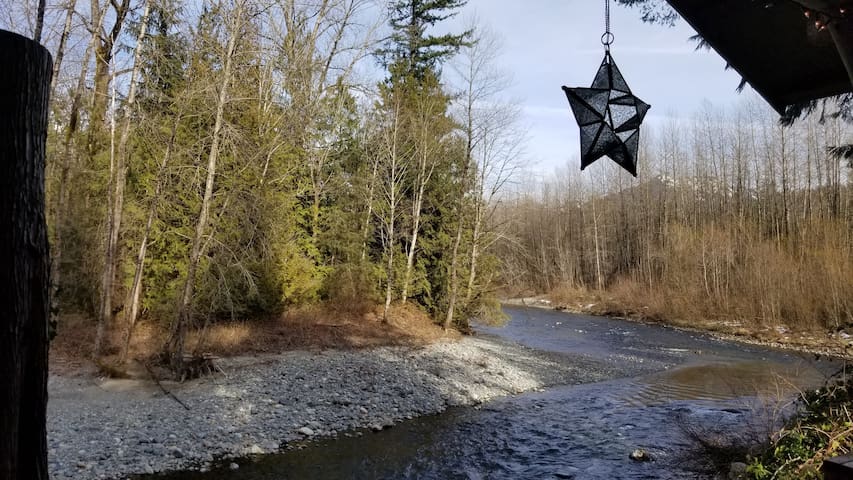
320,328
316,327
71,350
732,280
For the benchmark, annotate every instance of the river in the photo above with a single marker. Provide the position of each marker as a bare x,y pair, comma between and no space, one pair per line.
666,382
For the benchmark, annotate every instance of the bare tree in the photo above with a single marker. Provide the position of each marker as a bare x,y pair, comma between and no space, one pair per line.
39,21
499,158
427,152
118,181
320,44
184,313
392,163
482,83
132,303
62,199
59,55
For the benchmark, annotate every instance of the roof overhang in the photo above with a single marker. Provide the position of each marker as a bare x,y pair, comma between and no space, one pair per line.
775,47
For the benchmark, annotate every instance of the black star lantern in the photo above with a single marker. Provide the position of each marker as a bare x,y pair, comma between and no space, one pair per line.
609,117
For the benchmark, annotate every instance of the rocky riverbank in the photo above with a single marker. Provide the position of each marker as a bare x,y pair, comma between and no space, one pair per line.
115,428
837,344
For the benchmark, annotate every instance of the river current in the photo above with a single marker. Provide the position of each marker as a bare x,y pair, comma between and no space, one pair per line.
671,386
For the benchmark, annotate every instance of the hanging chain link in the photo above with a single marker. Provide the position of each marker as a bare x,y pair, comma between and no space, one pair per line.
608,37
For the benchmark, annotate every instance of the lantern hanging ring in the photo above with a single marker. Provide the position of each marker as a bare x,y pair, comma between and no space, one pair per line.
607,38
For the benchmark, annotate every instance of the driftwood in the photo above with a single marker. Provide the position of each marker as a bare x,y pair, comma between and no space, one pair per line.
196,366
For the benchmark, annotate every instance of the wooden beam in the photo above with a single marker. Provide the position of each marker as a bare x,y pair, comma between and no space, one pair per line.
24,278
838,468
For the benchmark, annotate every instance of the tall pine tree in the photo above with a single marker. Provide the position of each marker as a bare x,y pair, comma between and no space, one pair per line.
415,105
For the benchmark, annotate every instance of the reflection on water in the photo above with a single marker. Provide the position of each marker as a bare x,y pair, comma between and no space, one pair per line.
582,432
725,381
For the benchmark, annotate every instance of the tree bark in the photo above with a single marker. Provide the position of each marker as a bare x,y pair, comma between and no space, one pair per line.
104,52
39,21
459,207
24,298
426,168
365,231
472,266
454,281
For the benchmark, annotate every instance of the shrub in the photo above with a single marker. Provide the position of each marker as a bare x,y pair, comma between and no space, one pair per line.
822,429
351,286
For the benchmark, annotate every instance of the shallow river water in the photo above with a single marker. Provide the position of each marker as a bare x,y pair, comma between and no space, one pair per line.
670,382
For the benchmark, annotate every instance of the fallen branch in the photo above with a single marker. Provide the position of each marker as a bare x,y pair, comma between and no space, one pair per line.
167,392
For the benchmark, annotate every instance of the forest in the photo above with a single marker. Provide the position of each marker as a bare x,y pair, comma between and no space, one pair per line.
225,161
737,222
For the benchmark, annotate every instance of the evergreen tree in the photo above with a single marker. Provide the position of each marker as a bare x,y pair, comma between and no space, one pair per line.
410,51
415,105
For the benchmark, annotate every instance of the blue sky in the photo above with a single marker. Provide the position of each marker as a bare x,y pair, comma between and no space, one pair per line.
549,43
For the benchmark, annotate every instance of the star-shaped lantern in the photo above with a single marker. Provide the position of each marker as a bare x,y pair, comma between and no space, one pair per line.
609,117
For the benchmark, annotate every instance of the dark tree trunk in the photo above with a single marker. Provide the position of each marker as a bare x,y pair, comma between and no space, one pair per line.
39,21
24,288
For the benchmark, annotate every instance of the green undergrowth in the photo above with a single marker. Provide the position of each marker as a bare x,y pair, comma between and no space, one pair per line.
822,429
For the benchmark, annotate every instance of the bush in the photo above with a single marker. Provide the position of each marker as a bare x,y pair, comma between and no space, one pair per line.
352,286
822,429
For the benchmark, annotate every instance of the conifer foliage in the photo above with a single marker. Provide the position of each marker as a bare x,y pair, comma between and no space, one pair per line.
228,160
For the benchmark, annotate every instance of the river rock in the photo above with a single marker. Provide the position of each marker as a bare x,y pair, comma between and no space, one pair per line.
253,450
737,471
640,455
306,431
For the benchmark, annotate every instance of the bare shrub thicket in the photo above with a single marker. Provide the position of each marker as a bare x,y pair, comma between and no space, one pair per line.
733,221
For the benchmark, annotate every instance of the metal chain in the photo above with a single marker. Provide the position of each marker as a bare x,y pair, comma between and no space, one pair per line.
608,37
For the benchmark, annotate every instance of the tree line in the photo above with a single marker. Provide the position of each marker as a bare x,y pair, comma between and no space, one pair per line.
735,218
233,158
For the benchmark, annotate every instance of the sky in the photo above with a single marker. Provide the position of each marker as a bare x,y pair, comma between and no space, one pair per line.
550,43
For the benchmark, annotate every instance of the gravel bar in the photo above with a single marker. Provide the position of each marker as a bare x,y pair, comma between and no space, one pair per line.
115,428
